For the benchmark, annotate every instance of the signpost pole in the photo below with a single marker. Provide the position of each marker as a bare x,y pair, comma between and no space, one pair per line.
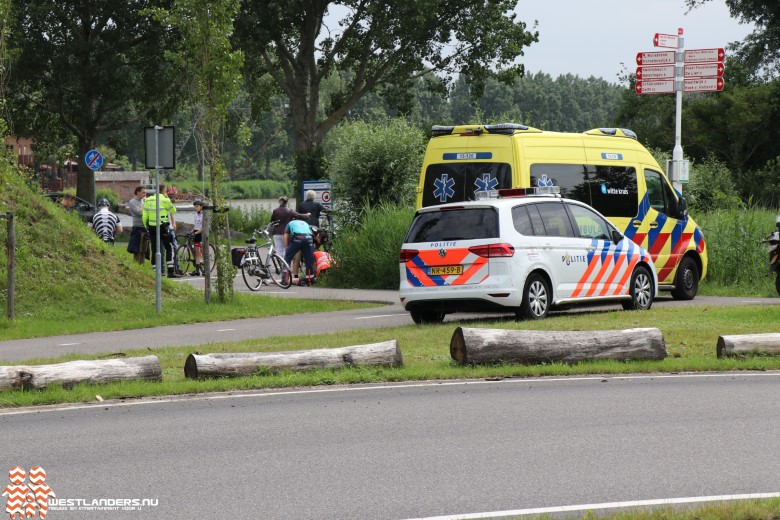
677,152
157,256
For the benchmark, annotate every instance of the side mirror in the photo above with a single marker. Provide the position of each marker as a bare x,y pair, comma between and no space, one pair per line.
617,236
682,208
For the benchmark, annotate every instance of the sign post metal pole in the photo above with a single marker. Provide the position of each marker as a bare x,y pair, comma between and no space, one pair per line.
677,152
157,256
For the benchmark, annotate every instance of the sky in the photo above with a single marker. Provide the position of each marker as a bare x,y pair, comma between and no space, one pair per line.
602,37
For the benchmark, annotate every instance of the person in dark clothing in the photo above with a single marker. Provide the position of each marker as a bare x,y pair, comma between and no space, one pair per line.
283,215
312,208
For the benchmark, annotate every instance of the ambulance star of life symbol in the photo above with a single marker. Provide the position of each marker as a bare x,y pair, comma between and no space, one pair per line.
544,181
444,189
485,183
442,253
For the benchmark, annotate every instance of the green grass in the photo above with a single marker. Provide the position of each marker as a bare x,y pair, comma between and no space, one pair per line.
690,335
735,510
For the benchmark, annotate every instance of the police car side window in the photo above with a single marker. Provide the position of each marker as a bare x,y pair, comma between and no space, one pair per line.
589,223
555,219
522,221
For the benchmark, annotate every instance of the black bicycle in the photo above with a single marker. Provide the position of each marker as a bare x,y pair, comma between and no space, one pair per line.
185,254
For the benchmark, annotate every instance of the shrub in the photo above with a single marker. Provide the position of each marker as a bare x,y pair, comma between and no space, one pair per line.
373,161
711,187
366,254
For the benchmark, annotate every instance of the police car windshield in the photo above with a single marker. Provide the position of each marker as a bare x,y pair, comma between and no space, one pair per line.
458,224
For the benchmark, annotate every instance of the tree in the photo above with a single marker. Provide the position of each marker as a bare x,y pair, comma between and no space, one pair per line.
213,72
85,67
378,45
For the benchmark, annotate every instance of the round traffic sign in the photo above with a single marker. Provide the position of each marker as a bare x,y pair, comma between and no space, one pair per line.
94,159
325,196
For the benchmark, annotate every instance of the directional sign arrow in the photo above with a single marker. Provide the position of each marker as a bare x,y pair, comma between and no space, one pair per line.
663,72
665,40
703,84
655,58
698,70
663,86
704,55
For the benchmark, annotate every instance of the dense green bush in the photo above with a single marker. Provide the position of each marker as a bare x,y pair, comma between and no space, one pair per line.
110,195
366,254
373,161
247,220
711,187
254,189
738,261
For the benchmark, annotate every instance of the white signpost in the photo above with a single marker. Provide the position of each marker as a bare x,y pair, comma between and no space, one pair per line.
667,72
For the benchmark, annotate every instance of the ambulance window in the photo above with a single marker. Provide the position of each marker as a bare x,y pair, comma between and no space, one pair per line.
659,194
457,224
613,190
556,220
572,179
589,224
536,220
458,181
522,221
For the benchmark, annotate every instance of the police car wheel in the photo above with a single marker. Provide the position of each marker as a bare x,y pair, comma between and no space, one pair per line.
421,317
686,283
536,298
642,290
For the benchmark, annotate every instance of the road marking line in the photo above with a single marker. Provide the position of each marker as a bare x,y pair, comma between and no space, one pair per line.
379,316
426,384
67,344
606,505
224,330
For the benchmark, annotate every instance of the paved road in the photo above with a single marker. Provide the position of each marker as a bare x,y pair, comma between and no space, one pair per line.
392,452
391,314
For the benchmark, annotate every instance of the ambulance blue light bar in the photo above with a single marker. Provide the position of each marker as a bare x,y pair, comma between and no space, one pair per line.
505,128
439,130
617,132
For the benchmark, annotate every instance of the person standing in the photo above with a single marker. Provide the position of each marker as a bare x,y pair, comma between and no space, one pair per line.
283,215
138,244
105,224
197,238
297,237
166,223
313,208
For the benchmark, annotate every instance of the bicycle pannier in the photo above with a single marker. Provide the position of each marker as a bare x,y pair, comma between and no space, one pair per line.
237,254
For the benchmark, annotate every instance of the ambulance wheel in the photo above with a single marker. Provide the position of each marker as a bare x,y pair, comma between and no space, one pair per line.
642,290
686,283
421,317
536,298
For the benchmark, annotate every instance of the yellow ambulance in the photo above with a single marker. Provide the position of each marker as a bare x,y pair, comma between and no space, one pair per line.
607,168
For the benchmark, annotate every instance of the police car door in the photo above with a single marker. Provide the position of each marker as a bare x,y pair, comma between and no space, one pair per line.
565,253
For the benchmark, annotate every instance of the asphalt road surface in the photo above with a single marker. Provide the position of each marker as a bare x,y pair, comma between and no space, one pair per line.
391,314
394,452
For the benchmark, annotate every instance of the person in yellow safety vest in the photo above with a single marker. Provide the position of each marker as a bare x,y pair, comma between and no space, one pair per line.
167,224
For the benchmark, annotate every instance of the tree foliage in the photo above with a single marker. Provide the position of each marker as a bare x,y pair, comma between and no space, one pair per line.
83,68
375,45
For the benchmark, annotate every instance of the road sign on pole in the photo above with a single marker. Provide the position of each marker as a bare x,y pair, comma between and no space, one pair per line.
699,70
703,55
666,40
655,86
703,84
94,159
655,58
662,72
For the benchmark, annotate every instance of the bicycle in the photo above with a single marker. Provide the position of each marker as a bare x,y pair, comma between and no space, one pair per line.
185,254
255,270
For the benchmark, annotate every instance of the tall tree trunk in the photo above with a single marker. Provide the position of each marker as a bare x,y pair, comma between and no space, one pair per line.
85,182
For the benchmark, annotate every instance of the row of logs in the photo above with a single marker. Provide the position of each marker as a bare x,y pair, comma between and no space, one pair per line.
470,346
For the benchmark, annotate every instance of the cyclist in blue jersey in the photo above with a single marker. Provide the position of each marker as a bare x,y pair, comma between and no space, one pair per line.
297,237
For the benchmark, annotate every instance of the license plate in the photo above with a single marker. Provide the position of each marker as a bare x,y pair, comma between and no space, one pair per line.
446,269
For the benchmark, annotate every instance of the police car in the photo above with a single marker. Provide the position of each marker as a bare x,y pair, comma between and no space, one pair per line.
518,250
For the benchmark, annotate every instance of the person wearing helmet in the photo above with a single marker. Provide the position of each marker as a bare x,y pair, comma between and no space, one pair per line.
105,224
197,238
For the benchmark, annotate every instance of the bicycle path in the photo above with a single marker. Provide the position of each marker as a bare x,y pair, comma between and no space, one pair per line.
389,314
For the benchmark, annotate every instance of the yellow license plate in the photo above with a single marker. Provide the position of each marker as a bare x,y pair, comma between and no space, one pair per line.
446,269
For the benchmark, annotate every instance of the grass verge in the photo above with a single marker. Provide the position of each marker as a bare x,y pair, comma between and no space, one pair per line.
690,334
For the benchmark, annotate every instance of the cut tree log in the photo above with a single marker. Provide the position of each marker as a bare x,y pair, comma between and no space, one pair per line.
243,364
73,372
749,344
477,346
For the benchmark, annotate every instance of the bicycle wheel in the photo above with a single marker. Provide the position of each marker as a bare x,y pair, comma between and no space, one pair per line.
251,281
184,259
280,272
213,253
